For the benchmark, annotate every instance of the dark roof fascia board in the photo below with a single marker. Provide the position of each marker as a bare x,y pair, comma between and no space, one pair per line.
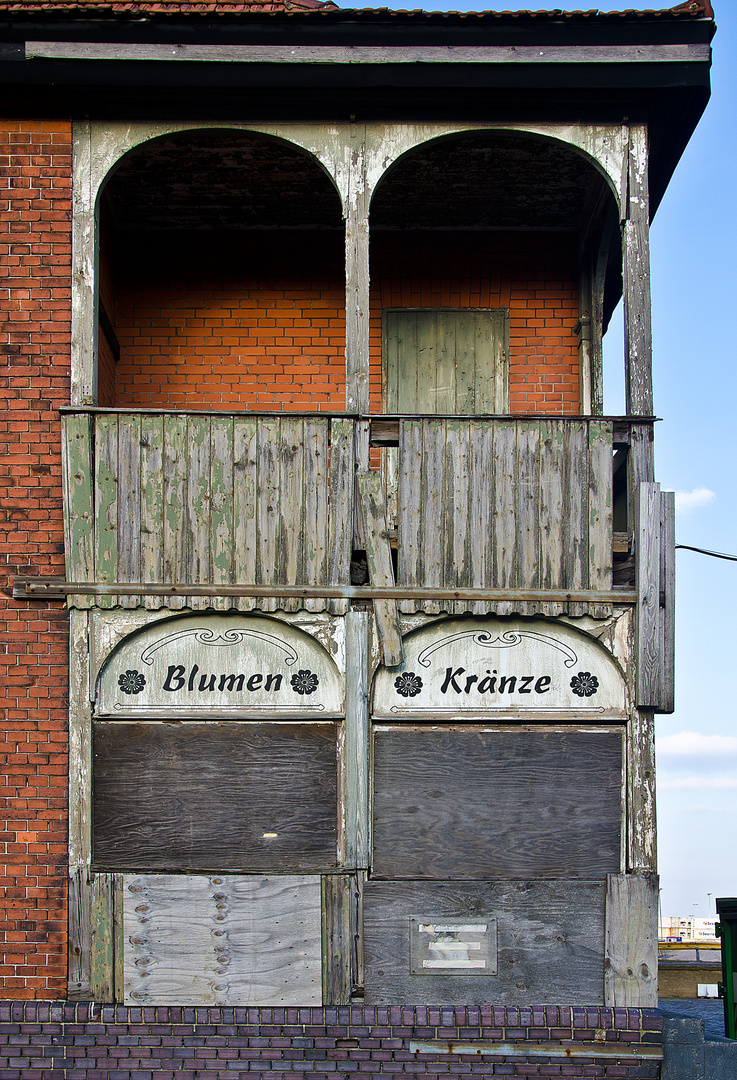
353,27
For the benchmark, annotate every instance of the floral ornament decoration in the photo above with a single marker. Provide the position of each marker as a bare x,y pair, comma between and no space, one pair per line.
584,684
131,682
304,682
408,684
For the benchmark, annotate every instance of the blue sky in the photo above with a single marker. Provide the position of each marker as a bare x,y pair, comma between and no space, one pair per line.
694,284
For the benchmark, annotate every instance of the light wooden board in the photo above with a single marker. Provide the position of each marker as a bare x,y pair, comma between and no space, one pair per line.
199,795
550,937
222,940
631,972
478,804
647,540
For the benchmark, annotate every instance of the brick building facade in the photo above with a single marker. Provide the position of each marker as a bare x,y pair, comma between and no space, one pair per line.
302,378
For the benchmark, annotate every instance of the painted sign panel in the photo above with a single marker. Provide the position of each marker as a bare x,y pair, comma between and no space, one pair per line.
440,946
224,666
463,666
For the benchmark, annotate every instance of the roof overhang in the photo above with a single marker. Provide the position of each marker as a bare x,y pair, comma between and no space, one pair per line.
141,61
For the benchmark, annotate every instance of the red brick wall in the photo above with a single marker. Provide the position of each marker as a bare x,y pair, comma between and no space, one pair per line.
196,330
35,254
241,321
534,275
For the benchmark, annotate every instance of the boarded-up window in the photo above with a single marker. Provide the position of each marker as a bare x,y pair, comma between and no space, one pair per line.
223,796
513,804
446,361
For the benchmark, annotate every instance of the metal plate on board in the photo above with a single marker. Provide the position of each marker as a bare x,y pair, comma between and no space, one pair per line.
440,946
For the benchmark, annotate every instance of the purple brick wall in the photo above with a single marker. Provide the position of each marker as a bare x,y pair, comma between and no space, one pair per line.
57,1041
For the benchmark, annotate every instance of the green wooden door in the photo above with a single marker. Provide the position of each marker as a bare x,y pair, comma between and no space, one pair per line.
439,360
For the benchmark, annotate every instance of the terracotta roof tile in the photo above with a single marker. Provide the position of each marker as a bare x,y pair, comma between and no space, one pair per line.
167,7
688,9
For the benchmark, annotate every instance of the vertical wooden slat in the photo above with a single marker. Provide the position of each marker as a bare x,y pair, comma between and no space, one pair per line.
102,938
245,435
600,554
553,511
292,533
152,503
668,607
631,963
505,509
79,543
340,521
528,505
336,897
469,364
129,503
198,505
409,515
438,363
481,508
456,568
357,740
647,561
221,506
432,494
381,572
315,509
106,501
78,962
268,495
576,536
175,500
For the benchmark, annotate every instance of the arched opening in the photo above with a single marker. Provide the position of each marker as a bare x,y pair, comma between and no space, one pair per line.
520,233
221,281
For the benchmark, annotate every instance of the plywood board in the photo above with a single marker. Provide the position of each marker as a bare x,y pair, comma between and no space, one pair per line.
550,940
222,940
476,803
221,796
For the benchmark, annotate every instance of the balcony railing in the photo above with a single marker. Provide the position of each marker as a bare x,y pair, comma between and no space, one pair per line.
519,505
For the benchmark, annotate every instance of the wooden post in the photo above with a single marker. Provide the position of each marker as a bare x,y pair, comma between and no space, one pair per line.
647,554
80,809
336,950
668,606
357,740
636,272
641,852
357,282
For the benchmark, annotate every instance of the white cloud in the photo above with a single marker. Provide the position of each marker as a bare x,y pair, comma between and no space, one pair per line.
692,744
686,501
691,783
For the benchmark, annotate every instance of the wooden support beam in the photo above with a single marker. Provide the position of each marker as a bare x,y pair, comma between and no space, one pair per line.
631,960
44,589
647,551
641,853
357,740
381,570
336,951
636,272
668,601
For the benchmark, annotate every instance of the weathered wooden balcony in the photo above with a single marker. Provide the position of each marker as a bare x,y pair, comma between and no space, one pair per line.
522,506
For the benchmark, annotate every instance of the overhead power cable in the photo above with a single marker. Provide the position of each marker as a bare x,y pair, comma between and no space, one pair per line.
703,551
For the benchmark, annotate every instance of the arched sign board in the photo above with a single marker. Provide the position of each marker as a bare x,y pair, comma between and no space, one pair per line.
510,667
212,666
